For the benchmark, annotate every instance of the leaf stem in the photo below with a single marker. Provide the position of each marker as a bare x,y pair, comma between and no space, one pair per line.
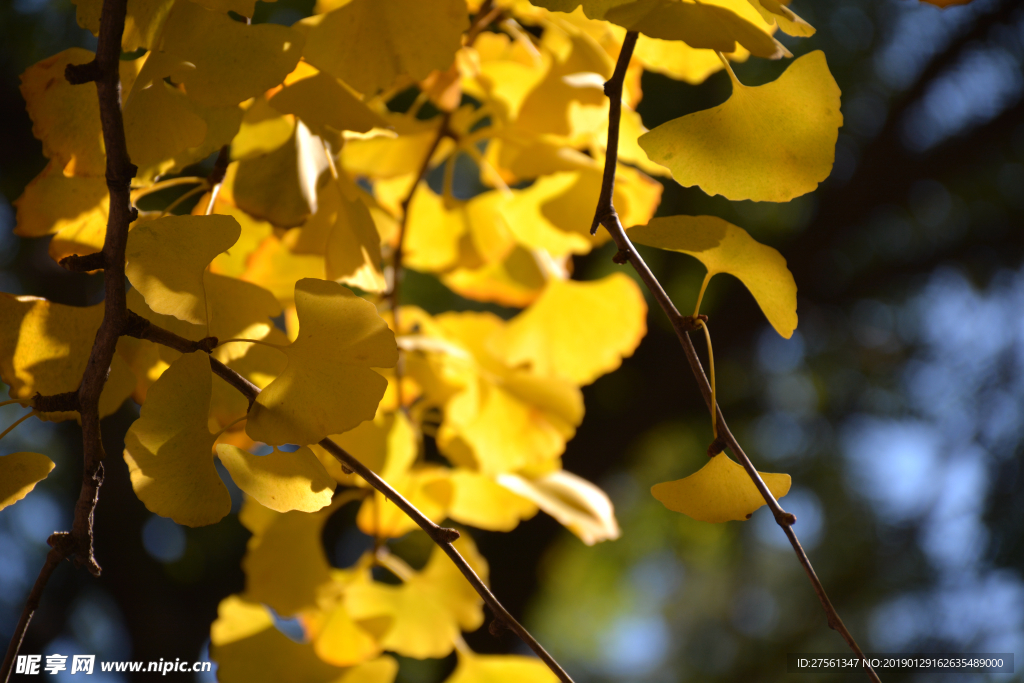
606,216
251,341
700,296
229,426
23,401
711,366
17,422
178,201
140,192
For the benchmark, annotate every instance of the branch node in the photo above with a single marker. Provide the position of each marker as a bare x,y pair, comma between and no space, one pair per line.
57,403
447,535
346,470
84,263
207,344
133,214
605,212
497,627
716,447
77,74
621,257
691,321
61,541
785,519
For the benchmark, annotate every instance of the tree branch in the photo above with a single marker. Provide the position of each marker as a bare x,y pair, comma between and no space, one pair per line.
120,170
607,217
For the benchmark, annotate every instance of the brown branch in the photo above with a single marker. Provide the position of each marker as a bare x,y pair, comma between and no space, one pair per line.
607,217
79,542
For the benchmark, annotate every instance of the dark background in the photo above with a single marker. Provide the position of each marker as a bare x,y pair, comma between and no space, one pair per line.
896,406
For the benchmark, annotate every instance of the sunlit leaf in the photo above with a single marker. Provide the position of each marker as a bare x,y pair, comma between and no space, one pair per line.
576,330
280,481
472,233
767,143
142,24
19,474
480,501
328,386
575,503
169,449
175,286
516,281
724,248
284,562
368,44
474,668
44,348
776,11
324,103
232,61
248,649
429,610
719,492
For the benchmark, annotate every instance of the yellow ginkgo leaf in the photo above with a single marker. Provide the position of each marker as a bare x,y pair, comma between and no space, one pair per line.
216,46
74,208
327,386
516,281
767,143
429,610
474,668
468,234
776,11
142,23
65,116
174,286
575,503
480,501
712,24
169,449
19,474
284,562
343,231
44,348
368,44
719,492
576,330
248,649
387,444
724,248
678,60
427,487
276,267
263,130
280,481
324,103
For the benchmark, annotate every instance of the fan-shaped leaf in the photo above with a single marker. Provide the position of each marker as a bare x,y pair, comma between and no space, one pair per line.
719,492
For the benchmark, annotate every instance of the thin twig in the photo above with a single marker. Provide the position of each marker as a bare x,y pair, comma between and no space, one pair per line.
607,217
119,173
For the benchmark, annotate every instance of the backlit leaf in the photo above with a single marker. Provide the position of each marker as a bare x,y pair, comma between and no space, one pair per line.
280,481
724,248
175,286
719,492
327,386
576,330
776,11
324,103
480,501
19,474
368,44
769,143
169,449
474,668
44,348
575,503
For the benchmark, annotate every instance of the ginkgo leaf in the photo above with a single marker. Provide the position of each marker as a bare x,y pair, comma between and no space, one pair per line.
428,611
576,330
248,649
175,286
280,481
776,11
293,170
678,60
44,348
471,233
480,501
142,24
474,668
769,143
65,116
276,267
323,103
19,474
724,248
575,503
428,488
719,492
232,61
327,386
340,641
343,231
73,208
516,281
169,449
263,130
713,25
368,44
